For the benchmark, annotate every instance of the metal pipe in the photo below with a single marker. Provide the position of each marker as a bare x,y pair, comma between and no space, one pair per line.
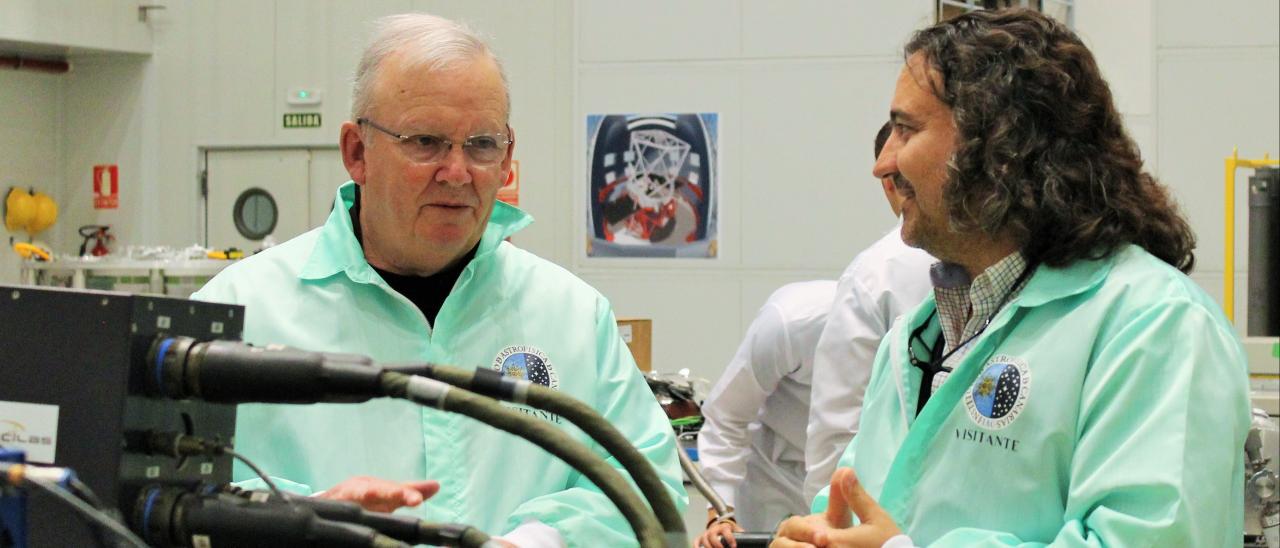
1264,257
695,476
36,65
1228,266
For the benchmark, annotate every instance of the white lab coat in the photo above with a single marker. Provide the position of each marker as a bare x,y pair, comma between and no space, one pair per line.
883,282
752,445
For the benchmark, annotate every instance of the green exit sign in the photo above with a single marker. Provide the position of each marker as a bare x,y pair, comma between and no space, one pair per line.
301,119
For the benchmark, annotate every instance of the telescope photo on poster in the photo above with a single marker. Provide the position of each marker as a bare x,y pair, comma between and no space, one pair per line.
652,185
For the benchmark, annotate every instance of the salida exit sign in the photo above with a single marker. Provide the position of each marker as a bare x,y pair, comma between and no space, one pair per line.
301,119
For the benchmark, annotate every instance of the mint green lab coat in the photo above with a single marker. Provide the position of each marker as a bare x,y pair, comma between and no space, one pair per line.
1107,404
508,308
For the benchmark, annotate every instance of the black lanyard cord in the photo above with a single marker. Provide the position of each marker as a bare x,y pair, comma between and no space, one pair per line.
930,369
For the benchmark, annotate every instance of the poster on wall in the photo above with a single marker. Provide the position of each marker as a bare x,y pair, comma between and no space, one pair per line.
652,185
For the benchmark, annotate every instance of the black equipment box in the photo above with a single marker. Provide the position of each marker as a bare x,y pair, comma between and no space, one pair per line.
72,366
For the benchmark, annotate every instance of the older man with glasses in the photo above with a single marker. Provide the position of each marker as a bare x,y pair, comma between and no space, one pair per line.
412,266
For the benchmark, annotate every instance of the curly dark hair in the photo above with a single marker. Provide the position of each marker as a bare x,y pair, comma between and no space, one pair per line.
1042,153
882,137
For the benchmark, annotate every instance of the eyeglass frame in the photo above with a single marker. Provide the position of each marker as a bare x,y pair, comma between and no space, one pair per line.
506,141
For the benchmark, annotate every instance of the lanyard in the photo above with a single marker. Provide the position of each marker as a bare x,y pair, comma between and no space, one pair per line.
931,368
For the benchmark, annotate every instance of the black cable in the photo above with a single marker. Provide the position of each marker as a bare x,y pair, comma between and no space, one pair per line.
19,472
79,489
178,446
217,371
398,526
182,445
93,515
171,516
433,393
265,479
583,416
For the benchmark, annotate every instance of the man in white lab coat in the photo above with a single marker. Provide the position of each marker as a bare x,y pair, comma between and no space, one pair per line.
883,282
752,445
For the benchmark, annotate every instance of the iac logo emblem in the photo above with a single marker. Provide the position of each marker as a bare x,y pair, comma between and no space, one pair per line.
14,432
31,427
1000,392
527,363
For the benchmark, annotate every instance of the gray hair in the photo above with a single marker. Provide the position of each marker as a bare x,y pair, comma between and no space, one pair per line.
430,42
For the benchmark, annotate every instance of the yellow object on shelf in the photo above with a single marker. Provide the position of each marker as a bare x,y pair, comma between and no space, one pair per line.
27,251
1229,263
46,213
29,211
19,209
226,254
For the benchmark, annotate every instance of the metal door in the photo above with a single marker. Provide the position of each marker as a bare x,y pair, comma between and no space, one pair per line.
255,193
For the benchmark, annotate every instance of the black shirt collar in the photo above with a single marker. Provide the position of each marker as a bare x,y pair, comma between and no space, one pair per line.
426,292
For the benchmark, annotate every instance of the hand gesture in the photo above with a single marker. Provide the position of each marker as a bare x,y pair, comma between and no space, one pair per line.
379,495
719,534
832,528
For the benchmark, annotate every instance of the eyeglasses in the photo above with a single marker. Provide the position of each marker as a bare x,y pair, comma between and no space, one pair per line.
485,150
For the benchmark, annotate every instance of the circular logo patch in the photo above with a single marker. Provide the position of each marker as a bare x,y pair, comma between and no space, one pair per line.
1000,392
527,363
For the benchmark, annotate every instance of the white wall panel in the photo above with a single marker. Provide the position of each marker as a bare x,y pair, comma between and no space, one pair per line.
1121,36
232,86
1142,129
317,45
621,30
827,28
1195,23
31,141
105,24
98,25
689,312
647,88
350,25
1208,104
808,198
326,173
174,110
32,21
303,33
103,125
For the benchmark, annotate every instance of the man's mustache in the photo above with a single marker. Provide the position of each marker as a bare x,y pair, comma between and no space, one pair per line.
903,186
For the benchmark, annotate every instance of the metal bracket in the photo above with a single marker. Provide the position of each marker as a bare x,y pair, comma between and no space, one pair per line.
144,11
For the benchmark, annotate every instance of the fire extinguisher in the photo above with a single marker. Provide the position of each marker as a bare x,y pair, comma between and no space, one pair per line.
99,236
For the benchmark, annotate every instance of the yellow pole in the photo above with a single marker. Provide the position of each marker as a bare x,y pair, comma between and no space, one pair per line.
1228,264
1229,188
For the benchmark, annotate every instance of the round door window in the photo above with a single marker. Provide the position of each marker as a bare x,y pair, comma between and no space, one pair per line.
255,214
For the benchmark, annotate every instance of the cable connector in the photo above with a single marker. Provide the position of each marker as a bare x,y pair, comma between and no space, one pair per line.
171,444
17,474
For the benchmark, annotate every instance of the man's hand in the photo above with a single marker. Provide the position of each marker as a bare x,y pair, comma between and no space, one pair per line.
832,528
379,495
711,538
